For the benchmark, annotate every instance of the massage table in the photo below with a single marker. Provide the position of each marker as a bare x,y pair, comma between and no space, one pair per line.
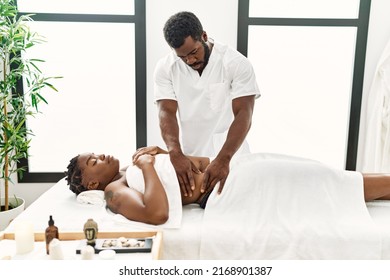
188,240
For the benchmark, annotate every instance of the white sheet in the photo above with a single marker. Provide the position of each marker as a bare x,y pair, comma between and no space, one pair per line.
277,207
380,212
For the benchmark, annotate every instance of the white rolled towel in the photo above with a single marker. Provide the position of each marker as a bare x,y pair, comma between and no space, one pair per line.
94,197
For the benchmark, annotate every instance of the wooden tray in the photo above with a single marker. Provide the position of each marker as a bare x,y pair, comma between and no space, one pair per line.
156,235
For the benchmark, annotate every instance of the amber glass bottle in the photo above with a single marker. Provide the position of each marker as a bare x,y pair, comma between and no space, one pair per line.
51,232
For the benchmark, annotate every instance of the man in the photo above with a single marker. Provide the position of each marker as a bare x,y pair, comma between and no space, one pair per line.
212,89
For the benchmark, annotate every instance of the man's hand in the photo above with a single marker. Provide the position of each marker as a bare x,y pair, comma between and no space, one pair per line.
184,167
217,171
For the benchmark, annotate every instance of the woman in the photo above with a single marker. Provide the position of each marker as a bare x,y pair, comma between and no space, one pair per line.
147,201
124,193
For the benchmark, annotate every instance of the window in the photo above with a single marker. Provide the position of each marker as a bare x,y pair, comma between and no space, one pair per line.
99,49
112,7
309,60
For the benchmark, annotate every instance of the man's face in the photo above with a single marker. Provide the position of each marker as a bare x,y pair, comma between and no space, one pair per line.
194,53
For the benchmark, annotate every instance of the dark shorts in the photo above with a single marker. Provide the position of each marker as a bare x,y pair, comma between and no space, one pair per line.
203,202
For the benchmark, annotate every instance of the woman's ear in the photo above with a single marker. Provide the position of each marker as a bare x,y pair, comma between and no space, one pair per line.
92,185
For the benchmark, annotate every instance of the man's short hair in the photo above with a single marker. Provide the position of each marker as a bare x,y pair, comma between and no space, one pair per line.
180,26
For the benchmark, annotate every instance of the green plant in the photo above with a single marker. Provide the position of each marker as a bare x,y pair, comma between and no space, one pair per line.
16,106
16,204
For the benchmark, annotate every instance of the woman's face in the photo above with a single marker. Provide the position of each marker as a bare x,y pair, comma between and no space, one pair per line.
97,170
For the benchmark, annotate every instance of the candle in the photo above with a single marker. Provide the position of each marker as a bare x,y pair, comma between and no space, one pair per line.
87,252
24,237
55,250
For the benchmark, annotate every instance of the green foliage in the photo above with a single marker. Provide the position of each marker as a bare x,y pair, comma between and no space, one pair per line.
17,203
15,39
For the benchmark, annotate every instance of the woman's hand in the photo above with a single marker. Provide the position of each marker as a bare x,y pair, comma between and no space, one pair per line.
144,160
151,150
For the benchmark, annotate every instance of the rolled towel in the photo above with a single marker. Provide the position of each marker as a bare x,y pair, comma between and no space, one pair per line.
94,197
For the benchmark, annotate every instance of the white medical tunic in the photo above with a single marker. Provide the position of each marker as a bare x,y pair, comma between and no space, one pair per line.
205,102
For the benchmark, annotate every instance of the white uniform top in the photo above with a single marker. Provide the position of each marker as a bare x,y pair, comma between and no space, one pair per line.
205,102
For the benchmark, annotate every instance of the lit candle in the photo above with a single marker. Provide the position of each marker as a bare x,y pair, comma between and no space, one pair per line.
24,237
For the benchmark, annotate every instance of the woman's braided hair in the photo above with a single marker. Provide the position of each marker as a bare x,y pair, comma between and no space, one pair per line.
73,176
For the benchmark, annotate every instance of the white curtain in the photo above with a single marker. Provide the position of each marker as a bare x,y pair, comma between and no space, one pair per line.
376,147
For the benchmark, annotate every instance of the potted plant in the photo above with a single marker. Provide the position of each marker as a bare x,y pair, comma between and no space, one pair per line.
16,106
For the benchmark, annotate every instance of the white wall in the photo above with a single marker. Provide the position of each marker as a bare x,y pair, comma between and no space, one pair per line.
219,19
378,36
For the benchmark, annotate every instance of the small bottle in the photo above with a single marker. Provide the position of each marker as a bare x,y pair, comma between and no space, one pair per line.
51,232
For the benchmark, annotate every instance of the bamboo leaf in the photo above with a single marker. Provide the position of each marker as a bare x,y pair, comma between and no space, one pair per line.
41,97
51,86
36,67
39,60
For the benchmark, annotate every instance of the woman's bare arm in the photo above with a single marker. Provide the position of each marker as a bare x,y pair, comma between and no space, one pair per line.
151,207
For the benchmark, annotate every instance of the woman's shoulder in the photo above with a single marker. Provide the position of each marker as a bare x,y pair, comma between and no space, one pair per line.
118,182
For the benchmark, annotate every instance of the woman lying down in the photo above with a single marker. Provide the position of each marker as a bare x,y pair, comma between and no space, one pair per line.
141,196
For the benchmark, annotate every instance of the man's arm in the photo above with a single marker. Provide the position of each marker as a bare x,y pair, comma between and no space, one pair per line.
218,170
170,134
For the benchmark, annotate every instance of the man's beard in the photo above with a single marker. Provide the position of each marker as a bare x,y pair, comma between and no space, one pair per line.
206,54
205,58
